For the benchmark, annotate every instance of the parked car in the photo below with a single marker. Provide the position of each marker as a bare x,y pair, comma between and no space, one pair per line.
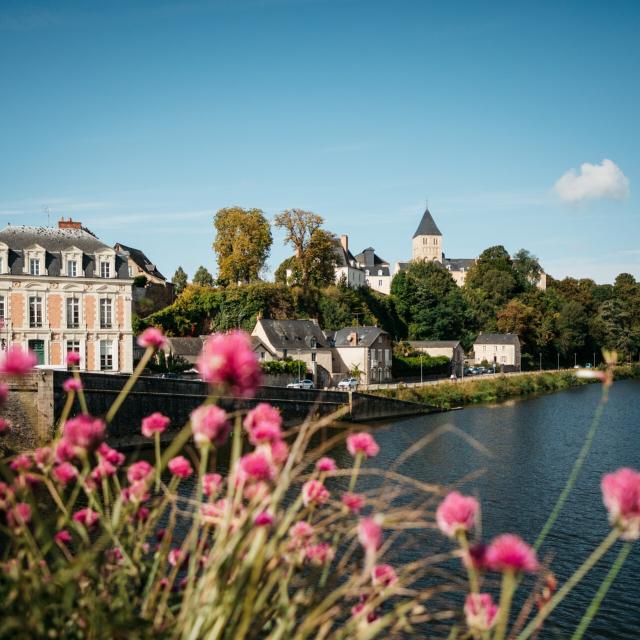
300,384
349,383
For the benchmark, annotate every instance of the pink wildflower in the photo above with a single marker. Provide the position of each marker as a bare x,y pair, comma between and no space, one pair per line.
4,426
73,358
314,492
84,432
621,496
211,483
135,492
152,337
363,443
263,424
326,464
180,467
359,608
475,558
480,612
87,517
301,531
370,534
17,362
104,469
20,515
64,473
139,471
227,360
256,467
319,554
456,514
155,423
176,557
279,452
43,457
21,463
142,514
209,424
212,513
112,455
353,501
62,537
509,552
384,575
264,519
4,392
65,451
72,384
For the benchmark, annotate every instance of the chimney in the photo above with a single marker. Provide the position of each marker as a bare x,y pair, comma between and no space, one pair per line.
69,224
344,241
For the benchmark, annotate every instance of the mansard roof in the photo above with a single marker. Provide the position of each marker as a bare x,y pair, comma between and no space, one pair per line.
368,258
141,260
427,226
293,334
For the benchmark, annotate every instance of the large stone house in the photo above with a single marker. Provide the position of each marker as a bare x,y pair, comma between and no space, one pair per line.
376,270
367,348
500,349
452,349
64,290
347,268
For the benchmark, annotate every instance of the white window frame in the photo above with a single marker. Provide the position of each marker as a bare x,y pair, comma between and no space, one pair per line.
107,353
38,302
108,313
4,258
68,302
34,266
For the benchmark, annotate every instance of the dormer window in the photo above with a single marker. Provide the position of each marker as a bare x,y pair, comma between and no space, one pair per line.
4,258
34,266
105,269
34,260
72,268
72,262
105,264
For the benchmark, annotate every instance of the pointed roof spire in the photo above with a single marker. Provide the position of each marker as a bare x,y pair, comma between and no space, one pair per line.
427,226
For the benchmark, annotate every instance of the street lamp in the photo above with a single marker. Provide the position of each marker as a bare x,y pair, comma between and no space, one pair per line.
298,350
421,367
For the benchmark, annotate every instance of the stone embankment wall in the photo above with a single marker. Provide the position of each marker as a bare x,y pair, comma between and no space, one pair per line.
36,402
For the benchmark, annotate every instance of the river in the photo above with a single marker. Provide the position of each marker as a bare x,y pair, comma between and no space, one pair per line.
534,443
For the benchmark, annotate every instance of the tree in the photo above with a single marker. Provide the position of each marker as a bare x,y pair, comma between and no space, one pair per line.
527,268
180,280
318,262
517,317
243,242
203,277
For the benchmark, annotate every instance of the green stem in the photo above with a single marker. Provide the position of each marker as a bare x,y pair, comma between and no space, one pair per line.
68,403
126,389
356,470
602,592
81,397
580,573
509,584
158,459
577,466
471,572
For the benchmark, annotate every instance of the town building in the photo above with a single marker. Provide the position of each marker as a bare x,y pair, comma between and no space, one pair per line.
139,265
376,270
500,349
347,269
367,349
62,290
452,349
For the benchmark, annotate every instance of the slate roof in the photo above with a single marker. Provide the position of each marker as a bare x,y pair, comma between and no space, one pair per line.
19,238
459,264
497,338
141,260
434,344
293,334
257,343
366,336
427,226
343,258
368,258
186,347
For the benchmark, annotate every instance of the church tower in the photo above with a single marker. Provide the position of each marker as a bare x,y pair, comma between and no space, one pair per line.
427,240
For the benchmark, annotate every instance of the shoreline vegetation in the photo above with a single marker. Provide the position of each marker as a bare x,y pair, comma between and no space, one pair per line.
449,395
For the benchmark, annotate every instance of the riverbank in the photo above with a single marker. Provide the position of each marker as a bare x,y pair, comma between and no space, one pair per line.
448,395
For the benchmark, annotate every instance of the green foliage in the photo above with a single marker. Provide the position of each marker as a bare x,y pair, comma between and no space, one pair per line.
203,277
404,366
293,367
180,280
140,281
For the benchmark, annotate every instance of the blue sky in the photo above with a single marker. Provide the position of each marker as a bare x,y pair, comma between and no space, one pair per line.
141,119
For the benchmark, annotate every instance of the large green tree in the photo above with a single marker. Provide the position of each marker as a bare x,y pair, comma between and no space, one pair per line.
180,280
242,245
203,277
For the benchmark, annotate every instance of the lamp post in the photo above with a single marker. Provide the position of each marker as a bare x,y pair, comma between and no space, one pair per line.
540,354
558,361
298,351
421,367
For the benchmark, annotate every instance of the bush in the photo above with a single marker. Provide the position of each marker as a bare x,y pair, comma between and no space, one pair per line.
405,366
292,367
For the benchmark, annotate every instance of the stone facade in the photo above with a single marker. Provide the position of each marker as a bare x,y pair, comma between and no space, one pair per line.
451,349
370,349
500,349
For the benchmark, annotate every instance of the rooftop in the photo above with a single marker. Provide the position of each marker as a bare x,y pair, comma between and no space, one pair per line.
427,226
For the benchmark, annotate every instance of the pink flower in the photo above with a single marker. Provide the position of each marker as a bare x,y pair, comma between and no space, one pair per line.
353,501
43,457
4,392
456,514
20,515
509,552
104,469
480,612
6,495
176,557
112,455
155,423
152,337
64,473
319,554
279,452
264,519
4,426
621,496
65,451
211,483
359,608
326,464
62,537
86,517
370,534
17,362
136,492
383,574
363,443
227,360
72,384
263,424
476,557
139,471
73,358
180,467
314,492
256,467
301,531
209,424
84,432
21,463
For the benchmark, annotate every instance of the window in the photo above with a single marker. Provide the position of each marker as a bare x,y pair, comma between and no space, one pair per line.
313,356
73,346
262,355
72,268
1,265
379,283
106,355
388,355
35,311
105,313
379,272
2,312
284,353
105,269
130,269
34,266
73,313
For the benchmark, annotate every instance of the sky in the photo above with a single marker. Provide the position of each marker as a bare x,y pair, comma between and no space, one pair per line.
516,122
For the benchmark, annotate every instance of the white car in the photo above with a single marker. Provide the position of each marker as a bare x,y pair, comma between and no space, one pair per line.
349,383
300,384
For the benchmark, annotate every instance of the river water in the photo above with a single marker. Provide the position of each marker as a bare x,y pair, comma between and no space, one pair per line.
534,443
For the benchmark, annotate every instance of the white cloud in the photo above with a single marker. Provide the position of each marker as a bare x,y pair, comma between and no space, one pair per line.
604,180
